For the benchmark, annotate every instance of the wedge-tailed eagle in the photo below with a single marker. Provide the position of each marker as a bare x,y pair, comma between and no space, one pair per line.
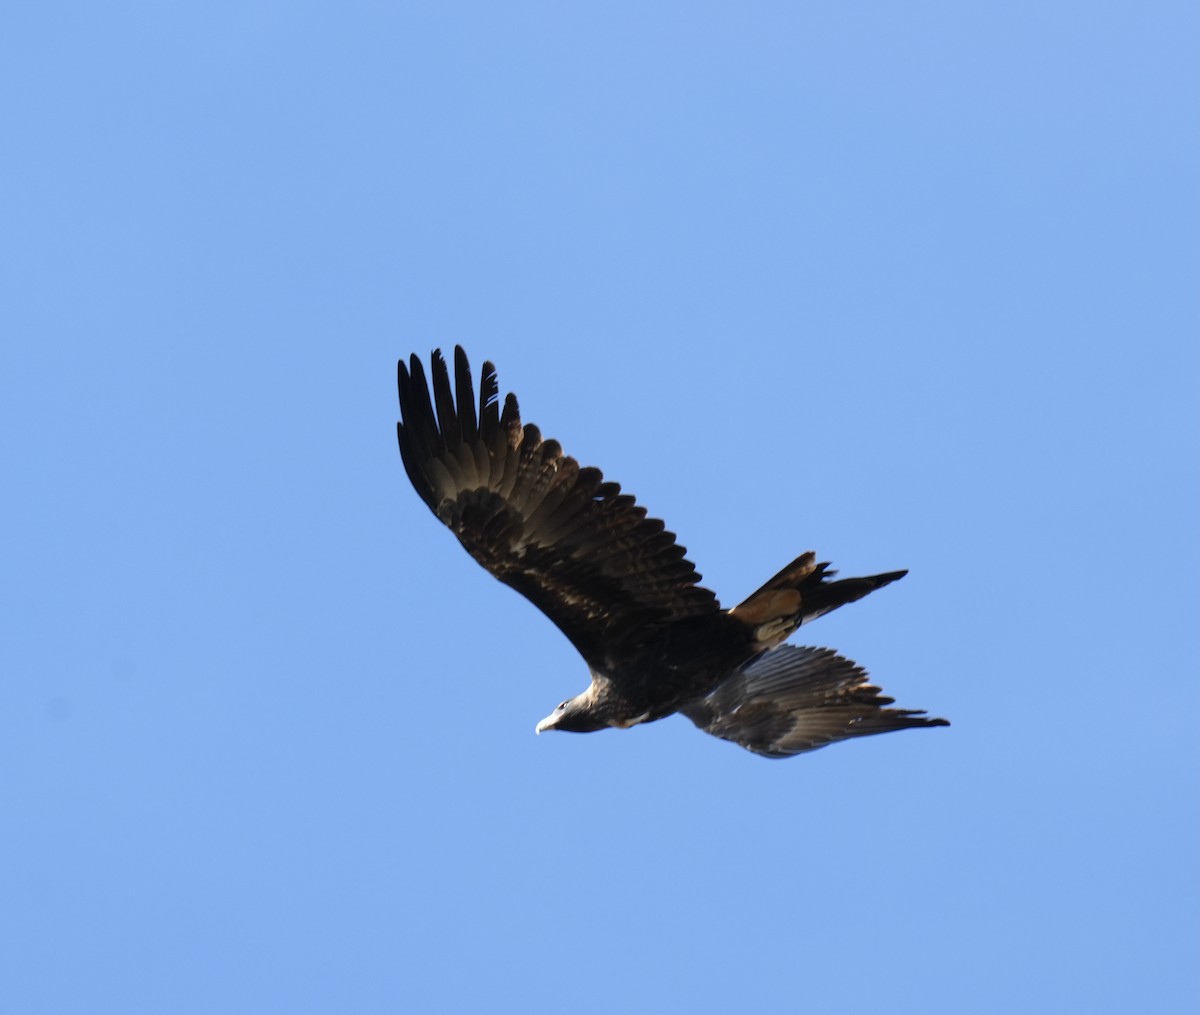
618,585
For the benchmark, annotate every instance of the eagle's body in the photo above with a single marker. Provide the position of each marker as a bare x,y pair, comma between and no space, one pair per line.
620,588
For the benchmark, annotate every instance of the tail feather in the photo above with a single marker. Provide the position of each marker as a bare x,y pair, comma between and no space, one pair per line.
801,592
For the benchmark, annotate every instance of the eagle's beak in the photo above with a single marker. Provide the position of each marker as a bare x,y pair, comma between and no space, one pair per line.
547,723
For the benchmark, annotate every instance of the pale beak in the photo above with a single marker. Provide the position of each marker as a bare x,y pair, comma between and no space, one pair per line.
548,722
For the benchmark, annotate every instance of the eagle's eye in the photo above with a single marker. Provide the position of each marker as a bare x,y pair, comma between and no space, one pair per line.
562,705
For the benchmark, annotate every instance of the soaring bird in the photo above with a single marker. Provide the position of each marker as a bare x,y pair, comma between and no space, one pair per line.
621,589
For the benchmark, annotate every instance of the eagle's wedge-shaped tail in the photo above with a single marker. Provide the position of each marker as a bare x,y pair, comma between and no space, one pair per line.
801,592
795,699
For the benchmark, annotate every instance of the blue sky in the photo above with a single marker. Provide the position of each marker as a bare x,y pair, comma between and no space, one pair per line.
909,285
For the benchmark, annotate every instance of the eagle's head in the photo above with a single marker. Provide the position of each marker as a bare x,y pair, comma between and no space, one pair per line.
581,714
575,715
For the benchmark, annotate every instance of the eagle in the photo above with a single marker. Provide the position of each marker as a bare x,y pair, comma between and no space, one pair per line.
622,590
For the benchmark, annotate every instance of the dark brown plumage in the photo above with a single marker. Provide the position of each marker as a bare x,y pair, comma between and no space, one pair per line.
622,590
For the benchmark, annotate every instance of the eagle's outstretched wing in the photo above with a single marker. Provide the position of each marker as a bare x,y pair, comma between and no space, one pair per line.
795,699
581,551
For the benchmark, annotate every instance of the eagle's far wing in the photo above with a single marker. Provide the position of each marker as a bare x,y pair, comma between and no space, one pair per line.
581,551
795,699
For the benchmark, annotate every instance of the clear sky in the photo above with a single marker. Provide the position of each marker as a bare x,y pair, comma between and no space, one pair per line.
912,285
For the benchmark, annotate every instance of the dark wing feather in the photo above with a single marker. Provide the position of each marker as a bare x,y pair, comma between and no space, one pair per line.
584,553
795,699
